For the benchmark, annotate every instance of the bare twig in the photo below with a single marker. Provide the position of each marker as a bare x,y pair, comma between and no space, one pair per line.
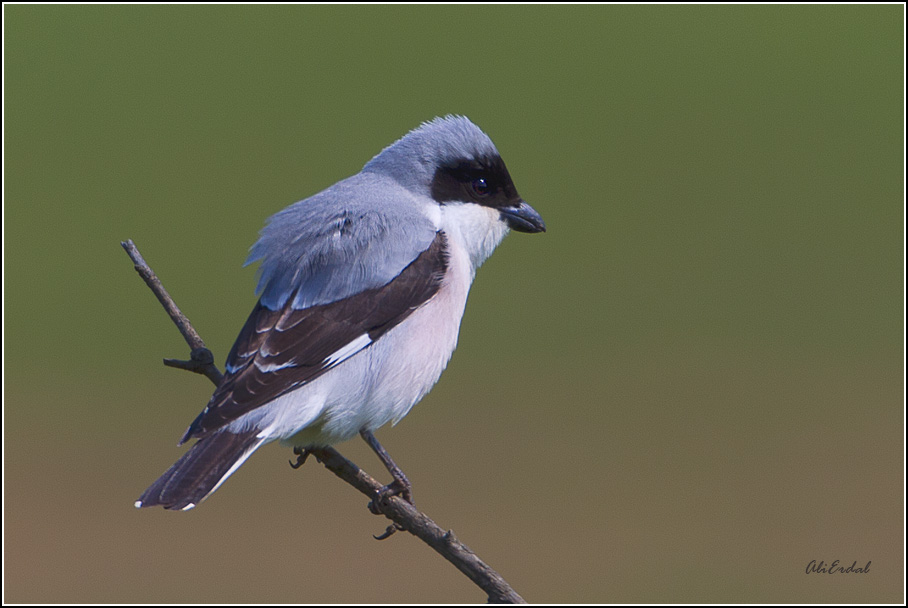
402,513
201,361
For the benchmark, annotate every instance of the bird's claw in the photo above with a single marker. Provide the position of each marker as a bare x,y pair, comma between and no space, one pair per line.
301,456
395,488
388,531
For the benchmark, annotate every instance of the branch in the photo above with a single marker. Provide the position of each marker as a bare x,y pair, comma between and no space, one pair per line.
201,361
402,513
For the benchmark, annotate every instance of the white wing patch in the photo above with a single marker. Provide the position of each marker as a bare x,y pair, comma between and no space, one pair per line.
348,351
273,367
341,354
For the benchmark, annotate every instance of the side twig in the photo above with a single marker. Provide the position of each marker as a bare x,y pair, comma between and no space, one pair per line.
403,514
201,361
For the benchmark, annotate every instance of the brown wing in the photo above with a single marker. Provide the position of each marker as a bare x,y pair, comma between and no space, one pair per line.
278,351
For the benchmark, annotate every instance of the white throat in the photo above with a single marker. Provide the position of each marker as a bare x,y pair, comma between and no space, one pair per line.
476,229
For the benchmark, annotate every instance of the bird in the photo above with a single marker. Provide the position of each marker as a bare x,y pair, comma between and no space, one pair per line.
362,288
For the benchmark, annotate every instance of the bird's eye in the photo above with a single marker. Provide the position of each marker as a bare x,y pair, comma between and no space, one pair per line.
481,187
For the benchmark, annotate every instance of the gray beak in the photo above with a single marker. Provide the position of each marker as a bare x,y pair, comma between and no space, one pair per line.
522,218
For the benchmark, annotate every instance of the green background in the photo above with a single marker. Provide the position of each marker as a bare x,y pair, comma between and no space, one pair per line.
686,390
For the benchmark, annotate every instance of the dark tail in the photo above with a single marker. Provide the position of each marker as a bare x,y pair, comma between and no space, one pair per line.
201,470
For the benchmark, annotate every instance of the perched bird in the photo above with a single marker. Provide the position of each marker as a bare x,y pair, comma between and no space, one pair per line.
362,287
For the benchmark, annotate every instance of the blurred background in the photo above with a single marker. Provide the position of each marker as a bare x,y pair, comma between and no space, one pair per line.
685,391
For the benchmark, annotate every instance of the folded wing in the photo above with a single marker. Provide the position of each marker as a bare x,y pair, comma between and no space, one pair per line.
280,350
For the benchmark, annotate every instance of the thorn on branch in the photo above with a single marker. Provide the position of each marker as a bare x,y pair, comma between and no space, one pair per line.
450,538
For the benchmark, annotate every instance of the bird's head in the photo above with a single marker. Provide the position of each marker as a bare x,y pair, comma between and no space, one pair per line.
453,162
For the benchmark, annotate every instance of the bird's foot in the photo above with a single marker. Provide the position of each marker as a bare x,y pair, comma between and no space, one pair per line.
395,488
301,455
399,487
